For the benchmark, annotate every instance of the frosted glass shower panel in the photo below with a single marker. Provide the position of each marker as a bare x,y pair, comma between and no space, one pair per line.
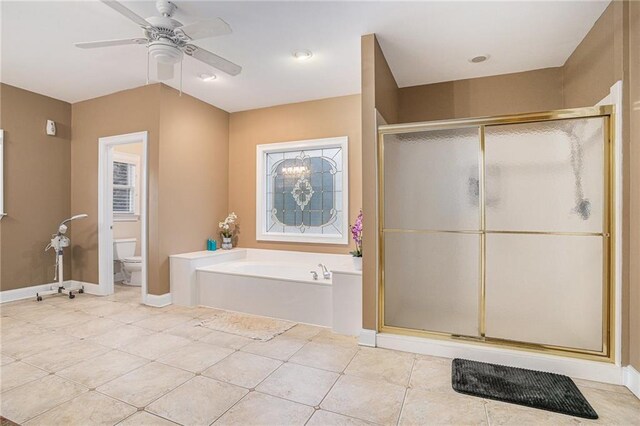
545,289
545,176
432,281
431,180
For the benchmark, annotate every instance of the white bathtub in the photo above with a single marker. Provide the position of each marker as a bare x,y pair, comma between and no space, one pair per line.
272,283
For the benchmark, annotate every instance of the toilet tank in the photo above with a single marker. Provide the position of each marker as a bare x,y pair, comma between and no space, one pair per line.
124,248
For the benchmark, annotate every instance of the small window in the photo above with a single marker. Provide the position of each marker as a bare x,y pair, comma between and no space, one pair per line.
125,186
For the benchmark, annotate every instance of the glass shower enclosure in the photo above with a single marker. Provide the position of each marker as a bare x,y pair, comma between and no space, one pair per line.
498,230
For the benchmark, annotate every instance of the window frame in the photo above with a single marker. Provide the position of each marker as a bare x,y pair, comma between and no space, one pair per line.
261,190
133,159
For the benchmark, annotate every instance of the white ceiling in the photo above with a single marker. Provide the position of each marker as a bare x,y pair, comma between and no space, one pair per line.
424,42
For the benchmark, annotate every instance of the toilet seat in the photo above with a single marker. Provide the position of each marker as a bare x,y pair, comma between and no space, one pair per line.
133,259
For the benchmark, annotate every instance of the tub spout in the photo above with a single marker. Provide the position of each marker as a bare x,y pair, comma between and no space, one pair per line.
325,272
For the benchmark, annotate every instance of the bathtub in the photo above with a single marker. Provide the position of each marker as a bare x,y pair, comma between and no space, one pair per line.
272,283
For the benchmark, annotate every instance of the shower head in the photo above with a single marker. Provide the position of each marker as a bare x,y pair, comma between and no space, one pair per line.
63,228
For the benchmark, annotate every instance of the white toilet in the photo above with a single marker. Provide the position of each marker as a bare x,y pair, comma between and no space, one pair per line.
123,252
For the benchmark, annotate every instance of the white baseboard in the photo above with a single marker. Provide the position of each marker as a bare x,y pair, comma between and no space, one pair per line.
367,338
30,292
632,379
158,301
583,369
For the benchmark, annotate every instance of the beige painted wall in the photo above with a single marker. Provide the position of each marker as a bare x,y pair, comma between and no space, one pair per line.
379,96
36,185
187,189
129,111
193,176
307,120
130,228
538,90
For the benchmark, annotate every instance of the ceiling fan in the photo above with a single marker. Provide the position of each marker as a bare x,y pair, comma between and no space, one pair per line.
167,40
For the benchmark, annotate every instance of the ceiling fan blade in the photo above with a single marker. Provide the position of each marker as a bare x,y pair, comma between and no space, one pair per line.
120,8
108,43
203,29
212,59
165,71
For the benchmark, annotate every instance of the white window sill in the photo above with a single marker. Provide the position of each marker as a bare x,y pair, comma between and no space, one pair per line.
126,218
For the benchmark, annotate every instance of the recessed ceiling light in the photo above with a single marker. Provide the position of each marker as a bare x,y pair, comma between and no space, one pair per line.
207,77
478,59
302,55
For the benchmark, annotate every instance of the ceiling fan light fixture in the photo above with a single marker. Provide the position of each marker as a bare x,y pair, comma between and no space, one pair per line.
302,55
207,77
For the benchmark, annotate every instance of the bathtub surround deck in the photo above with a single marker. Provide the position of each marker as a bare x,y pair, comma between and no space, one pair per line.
273,283
133,365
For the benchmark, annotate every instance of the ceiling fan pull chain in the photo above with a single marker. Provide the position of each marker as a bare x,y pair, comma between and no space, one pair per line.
181,61
147,66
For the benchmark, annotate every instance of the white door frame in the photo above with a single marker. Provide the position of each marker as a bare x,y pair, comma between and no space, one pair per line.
105,211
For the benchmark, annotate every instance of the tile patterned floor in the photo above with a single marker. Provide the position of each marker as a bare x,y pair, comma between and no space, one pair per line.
112,361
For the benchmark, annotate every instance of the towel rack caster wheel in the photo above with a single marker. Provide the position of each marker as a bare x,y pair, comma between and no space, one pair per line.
38,298
71,295
81,290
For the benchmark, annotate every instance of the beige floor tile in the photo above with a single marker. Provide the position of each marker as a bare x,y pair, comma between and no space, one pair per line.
192,312
28,345
27,401
299,383
101,369
137,313
613,408
281,348
61,319
329,337
243,369
376,363
121,336
195,356
325,356
197,402
162,322
92,327
432,373
5,359
145,384
190,330
142,418
260,409
105,308
18,373
60,357
17,329
376,401
602,386
501,413
155,345
30,311
226,340
90,408
303,331
327,418
423,407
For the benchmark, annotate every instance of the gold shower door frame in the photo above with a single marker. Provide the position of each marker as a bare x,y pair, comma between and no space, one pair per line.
608,279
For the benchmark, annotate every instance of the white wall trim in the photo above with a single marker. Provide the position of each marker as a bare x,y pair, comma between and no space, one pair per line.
30,292
632,379
158,301
367,338
589,370
105,213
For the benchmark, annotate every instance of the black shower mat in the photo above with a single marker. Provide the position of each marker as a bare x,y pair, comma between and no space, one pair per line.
536,389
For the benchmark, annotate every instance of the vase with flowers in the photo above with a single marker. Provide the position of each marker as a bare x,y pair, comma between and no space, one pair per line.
228,229
356,235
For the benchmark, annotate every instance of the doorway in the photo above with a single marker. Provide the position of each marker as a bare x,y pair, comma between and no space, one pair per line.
122,213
